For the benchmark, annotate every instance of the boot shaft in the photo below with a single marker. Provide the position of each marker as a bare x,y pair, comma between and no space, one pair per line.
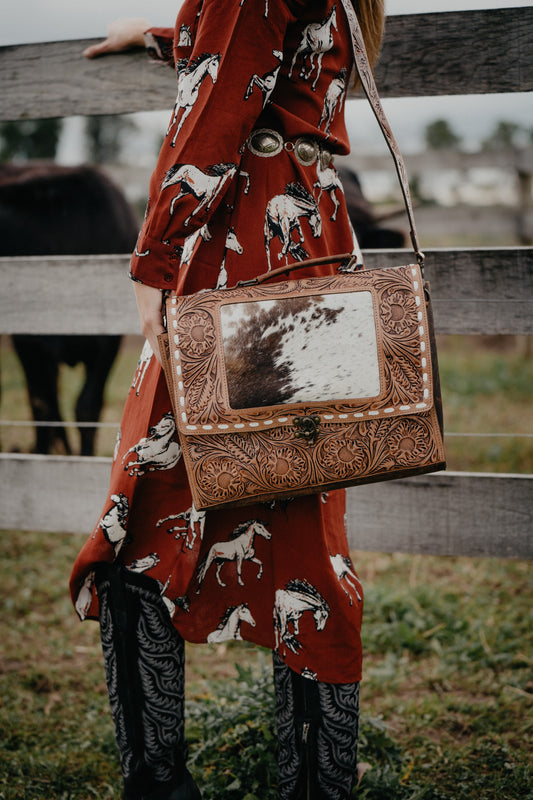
317,734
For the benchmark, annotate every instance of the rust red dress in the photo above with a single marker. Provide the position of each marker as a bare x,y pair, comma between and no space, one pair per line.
219,212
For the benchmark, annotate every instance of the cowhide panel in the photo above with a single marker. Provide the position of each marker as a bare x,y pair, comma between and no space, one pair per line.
294,350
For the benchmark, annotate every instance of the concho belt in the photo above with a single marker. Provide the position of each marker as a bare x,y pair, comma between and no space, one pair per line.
265,142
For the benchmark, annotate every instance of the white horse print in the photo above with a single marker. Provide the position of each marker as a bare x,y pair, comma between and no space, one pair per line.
266,6
144,564
192,525
333,100
266,82
113,523
158,450
204,186
328,181
290,603
142,366
190,243
230,624
117,444
282,217
85,596
232,243
189,81
239,548
185,37
315,40
343,569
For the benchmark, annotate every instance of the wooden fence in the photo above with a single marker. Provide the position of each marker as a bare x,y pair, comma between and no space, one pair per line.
475,291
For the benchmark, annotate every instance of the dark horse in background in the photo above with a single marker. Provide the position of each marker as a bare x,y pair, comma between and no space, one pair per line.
48,210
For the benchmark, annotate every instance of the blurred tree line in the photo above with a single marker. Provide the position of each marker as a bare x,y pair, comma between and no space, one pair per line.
27,139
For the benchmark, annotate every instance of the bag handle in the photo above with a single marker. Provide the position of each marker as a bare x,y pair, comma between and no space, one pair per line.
366,77
348,258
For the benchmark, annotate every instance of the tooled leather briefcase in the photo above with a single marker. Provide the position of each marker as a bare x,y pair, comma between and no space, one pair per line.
307,384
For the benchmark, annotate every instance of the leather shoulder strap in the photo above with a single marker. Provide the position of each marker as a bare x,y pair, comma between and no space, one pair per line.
369,87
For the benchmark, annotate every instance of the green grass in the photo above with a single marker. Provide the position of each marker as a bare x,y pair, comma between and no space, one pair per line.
446,698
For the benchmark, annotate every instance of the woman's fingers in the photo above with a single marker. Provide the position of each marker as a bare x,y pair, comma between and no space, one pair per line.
122,34
150,306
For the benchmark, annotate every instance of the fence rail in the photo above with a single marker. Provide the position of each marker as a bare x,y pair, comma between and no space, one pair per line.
474,290
467,52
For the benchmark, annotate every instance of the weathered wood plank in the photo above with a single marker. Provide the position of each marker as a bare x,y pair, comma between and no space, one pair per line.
474,291
442,514
449,513
469,52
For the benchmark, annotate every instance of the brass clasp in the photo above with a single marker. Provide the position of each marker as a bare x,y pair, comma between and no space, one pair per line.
306,428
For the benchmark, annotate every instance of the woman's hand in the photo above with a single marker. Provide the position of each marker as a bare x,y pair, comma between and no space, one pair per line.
150,306
122,34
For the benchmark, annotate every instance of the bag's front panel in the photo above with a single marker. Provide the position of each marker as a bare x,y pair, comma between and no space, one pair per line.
304,385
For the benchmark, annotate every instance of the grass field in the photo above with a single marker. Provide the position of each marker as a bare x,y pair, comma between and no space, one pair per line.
446,698
448,688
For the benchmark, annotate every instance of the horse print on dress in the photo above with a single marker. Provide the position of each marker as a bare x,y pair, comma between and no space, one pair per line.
290,603
253,1
328,181
192,525
185,36
189,246
230,624
272,348
144,564
85,596
239,548
266,82
315,40
190,79
113,523
142,366
158,450
282,217
333,100
343,568
204,186
232,243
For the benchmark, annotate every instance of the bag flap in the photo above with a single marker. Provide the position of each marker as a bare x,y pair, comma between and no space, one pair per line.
344,348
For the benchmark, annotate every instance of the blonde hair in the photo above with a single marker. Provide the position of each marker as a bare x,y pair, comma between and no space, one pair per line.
371,16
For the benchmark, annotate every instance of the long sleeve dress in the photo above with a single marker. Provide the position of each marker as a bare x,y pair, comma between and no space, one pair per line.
279,575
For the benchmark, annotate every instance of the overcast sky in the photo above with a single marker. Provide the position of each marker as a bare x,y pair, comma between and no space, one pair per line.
51,20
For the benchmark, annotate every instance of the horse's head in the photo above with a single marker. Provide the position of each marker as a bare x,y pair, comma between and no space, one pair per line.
259,528
164,427
321,615
212,67
245,615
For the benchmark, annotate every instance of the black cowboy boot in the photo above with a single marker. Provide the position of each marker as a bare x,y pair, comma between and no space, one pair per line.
317,734
144,658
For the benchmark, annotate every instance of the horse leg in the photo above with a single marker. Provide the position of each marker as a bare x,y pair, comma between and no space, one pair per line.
336,204
139,639
317,725
40,364
219,579
260,565
101,354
